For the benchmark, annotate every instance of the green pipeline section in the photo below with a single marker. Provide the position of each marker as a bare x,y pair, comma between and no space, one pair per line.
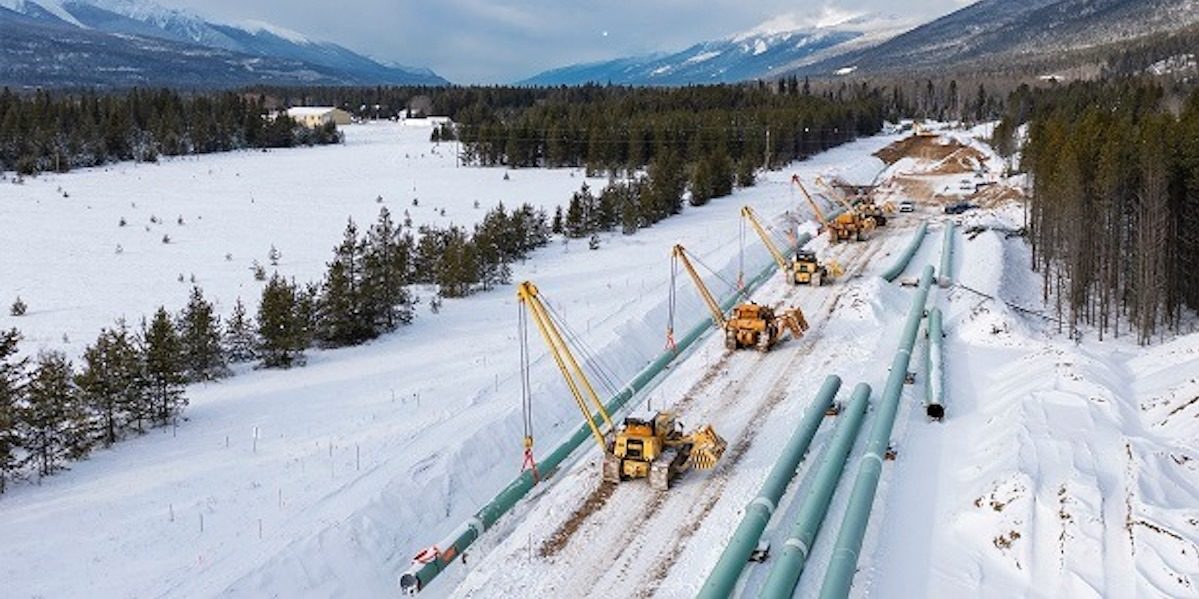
784,575
906,255
944,278
839,576
934,389
723,577
422,573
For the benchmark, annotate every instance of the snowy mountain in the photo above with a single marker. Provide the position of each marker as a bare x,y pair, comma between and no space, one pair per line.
1009,33
774,47
104,37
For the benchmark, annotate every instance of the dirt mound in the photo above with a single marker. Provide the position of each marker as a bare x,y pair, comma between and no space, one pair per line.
993,196
925,147
963,160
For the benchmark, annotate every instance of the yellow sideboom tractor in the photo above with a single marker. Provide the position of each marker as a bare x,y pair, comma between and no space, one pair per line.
749,325
651,446
804,268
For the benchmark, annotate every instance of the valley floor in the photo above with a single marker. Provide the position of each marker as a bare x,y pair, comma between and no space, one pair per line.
1061,469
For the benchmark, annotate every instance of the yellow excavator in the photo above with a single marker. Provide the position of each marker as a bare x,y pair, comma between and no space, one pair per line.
750,325
804,268
847,226
649,446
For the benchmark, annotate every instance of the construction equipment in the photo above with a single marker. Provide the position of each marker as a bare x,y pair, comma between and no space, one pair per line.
749,325
847,226
804,268
649,446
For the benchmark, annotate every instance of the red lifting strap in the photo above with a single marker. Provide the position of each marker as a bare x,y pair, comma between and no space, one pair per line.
426,555
530,464
670,344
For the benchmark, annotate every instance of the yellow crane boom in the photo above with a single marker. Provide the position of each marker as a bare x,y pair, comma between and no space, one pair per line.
680,256
572,373
811,202
749,214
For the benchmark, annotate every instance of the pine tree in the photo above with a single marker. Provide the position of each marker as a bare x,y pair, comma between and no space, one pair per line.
458,268
200,336
386,271
575,224
111,383
163,356
556,227
342,317
239,340
281,325
12,393
51,422
702,183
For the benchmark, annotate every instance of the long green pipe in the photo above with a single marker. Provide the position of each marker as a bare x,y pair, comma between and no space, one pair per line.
724,576
839,576
934,383
468,532
901,262
945,279
788,567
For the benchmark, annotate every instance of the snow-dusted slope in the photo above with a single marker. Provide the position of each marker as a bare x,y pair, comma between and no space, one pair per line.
105,30
1008,33
767,50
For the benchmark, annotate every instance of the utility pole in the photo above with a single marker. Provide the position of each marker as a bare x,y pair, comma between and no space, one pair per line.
766,158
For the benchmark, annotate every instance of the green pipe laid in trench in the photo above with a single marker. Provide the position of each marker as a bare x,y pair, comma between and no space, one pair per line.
421,574
839,576
784,574
724,575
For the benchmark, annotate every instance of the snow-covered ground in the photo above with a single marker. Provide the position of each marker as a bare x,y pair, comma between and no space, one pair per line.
1061,469
62,232
368,452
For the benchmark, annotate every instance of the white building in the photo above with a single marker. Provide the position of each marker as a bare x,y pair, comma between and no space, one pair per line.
317,116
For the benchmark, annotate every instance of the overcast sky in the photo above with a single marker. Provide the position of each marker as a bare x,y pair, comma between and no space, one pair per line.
500,41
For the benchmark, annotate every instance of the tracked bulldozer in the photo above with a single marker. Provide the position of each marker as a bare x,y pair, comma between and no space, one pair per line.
654,446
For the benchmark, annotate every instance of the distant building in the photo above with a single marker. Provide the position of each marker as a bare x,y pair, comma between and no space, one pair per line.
316,116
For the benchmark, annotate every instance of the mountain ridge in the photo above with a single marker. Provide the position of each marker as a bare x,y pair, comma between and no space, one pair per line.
110,42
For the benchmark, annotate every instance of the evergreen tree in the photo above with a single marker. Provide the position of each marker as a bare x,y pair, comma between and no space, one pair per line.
575,224
341,312
112,385
386,271
52,421
457,270
557,227
12,393
282,327
239,340
163,355
721,169
702,183
200,336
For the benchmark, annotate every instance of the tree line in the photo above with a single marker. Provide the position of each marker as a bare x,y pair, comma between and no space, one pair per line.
57,132
1113,215
128,381
620,130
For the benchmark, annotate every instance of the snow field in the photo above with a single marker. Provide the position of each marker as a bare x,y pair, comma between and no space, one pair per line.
366,454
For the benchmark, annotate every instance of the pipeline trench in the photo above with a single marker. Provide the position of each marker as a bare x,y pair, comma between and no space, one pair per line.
631,537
